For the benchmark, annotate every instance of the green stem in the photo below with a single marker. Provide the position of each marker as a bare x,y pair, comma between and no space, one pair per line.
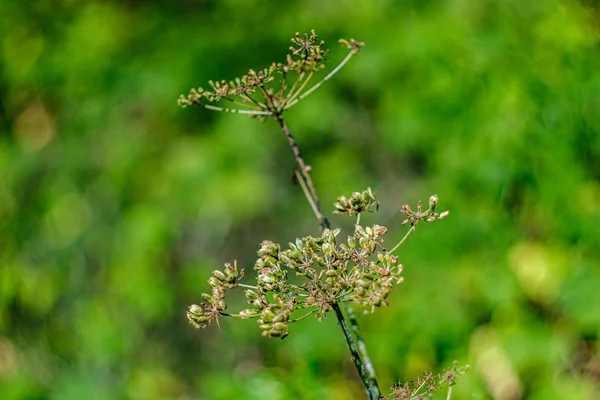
412,228
372,391
359,353
362,348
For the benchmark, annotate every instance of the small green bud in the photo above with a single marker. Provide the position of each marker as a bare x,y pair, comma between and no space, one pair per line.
327,249
280,326
279,318
251,294
433,202
267,316
351,242
219,275
258,304
248,313
267,278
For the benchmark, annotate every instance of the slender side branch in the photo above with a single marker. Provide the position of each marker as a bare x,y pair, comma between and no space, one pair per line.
303,170
412,228
308,196
236,111
322,81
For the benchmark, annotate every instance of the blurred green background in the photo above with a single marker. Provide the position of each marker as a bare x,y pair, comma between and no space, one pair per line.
115,204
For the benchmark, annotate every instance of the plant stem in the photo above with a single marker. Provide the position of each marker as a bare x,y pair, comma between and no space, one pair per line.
359,353
362,348
412,228
372,391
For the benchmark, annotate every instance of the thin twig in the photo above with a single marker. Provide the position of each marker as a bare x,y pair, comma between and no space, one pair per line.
236,111
308,196
303,169
412,228
292,97
322,81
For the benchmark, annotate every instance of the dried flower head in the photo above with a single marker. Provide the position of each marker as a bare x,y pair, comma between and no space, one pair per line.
357,203
424,386
428,215
273,90
356,269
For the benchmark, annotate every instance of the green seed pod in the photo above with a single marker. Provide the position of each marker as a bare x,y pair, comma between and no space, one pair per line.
258,304
195,309
267,278
363,242
331,273
280,326
275,333
251,294
433,202
259,264
265,327
327,249
267,316
208,298
212,281
363,283
219,275
351,242
284,259
248,313
279,318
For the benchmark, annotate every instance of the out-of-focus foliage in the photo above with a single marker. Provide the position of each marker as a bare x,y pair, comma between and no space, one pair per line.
115,204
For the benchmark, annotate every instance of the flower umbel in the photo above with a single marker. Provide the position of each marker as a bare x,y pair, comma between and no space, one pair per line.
356,269
273,90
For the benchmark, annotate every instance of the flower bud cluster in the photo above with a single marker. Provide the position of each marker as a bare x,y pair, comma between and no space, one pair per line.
200,316
424,386
357,269
257,95
428,215
357,203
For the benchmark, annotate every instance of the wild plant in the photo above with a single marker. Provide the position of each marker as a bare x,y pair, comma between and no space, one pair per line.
335,269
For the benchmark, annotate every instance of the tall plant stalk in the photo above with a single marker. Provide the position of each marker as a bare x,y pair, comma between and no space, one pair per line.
356,345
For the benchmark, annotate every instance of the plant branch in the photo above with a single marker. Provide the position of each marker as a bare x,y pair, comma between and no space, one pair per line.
321,82
412,228
236,111
303,170
308,196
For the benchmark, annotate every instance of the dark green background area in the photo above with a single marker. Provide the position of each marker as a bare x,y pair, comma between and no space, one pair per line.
115,204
